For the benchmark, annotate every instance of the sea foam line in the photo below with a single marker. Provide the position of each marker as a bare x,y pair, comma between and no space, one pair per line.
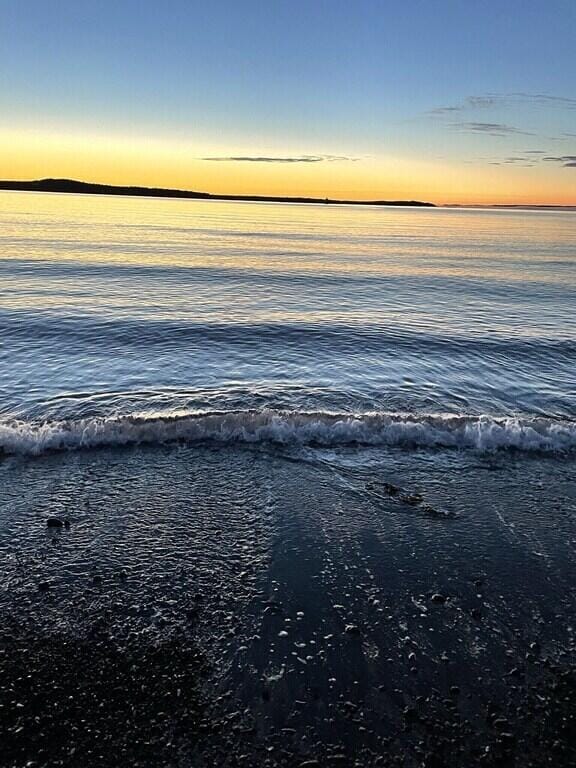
481,433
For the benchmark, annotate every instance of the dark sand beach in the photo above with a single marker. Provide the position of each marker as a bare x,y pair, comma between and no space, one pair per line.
243,606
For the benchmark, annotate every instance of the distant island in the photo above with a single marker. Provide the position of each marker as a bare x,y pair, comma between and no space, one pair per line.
516,207
70,186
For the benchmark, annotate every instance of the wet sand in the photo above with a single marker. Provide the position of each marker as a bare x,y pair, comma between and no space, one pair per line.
248,606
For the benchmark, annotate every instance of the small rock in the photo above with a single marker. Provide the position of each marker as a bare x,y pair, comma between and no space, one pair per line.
410,714
438,598
55,522
413,499
515,672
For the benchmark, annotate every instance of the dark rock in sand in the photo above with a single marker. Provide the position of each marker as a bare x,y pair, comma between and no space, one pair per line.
413,499
438,598
515,672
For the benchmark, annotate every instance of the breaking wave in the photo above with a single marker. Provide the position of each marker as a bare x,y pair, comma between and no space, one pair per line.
480,433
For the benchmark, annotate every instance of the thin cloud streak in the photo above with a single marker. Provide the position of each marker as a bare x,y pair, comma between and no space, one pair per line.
297,159
492,100
491,129
528,160
567,161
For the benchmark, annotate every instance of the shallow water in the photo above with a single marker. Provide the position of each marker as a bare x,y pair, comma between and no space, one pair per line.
114,307
303,581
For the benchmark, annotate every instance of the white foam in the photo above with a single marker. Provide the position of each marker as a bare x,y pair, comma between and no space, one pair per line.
482,433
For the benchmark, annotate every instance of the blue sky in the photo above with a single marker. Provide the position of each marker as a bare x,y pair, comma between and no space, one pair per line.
437,81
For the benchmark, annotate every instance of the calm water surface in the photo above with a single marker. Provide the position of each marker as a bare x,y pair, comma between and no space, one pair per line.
304,323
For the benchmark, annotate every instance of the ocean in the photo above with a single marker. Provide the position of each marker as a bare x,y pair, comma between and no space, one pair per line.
325,452
143,320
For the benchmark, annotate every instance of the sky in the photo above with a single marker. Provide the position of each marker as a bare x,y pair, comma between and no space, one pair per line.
449,101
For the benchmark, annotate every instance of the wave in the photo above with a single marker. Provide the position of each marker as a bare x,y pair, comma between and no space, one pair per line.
329,337
479,433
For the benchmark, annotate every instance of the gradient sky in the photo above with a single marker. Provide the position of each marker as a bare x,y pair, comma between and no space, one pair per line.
442,100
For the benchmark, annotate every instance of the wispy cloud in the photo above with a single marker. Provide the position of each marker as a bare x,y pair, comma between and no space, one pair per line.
491,129
542,99
567,161
522,162
532,157
493,100
269,159
441,111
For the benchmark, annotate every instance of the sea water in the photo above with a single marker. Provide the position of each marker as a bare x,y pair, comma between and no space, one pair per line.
126,320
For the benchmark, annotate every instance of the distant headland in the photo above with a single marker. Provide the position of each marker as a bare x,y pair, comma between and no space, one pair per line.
70,186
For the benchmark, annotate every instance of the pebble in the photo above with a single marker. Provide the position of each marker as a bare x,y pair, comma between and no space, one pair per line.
438,598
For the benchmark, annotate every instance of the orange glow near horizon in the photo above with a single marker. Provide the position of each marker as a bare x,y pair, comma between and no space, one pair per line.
141,162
